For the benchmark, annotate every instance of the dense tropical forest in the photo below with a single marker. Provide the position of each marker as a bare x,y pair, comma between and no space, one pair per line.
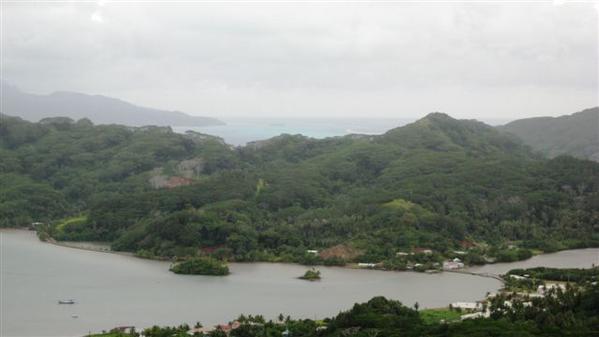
571,312
417,193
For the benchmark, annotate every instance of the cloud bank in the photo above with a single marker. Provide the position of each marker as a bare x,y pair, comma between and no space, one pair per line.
311,60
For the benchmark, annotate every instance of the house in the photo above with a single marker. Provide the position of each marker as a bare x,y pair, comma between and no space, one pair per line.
226,328
199,331
517,277
423,251
366,265
542,289
401,254
467,244
452,265
466,305
456,260
124,329
173,182
479,314
312,251
459,252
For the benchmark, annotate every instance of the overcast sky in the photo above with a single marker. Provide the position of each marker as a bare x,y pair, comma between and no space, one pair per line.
500,61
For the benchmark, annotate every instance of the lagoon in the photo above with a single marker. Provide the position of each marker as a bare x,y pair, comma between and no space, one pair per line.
114,290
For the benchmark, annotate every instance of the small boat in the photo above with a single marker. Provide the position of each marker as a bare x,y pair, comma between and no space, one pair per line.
66,301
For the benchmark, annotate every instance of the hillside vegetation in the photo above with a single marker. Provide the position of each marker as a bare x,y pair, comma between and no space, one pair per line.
576,135
438,183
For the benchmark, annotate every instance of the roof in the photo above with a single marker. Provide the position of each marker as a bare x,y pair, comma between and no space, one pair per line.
173,182
465,305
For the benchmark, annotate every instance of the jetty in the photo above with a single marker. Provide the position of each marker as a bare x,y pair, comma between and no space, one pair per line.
488,275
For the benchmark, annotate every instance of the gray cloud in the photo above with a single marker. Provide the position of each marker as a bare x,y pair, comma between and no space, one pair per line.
394,60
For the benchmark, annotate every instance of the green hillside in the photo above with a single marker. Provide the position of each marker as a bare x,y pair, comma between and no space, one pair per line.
439,183
576,134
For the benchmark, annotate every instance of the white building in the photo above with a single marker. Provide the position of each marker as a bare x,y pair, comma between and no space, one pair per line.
452,265
466,305
480,314
542,290
366,265
518,277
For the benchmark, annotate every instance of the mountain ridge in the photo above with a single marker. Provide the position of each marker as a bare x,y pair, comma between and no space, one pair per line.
99,109
576,134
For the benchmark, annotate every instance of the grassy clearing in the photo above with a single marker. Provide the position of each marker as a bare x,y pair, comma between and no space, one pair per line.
399,204
72,221
434,316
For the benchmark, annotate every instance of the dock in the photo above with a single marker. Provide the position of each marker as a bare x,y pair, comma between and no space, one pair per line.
488,275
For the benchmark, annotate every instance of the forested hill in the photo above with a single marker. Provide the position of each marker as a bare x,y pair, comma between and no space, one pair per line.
438,183
97,108
576,134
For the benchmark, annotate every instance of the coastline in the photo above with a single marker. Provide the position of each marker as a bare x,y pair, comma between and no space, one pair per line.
160,277
68,244
98,248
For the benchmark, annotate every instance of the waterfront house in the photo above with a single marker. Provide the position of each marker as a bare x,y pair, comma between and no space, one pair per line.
517,277
452,265
366,265
124,329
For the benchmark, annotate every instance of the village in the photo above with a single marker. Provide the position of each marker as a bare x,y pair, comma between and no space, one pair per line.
505,299
460,310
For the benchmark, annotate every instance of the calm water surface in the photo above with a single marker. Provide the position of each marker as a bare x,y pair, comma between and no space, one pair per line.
113,290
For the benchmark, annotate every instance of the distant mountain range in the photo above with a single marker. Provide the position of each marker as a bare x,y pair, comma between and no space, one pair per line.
576,134
99,109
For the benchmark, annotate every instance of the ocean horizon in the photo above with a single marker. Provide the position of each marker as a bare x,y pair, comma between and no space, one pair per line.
240,131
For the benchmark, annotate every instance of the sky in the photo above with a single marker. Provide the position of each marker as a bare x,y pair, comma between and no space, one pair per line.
293,60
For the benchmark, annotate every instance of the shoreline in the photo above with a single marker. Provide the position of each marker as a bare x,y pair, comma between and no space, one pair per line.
353,266
442,305
89,249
